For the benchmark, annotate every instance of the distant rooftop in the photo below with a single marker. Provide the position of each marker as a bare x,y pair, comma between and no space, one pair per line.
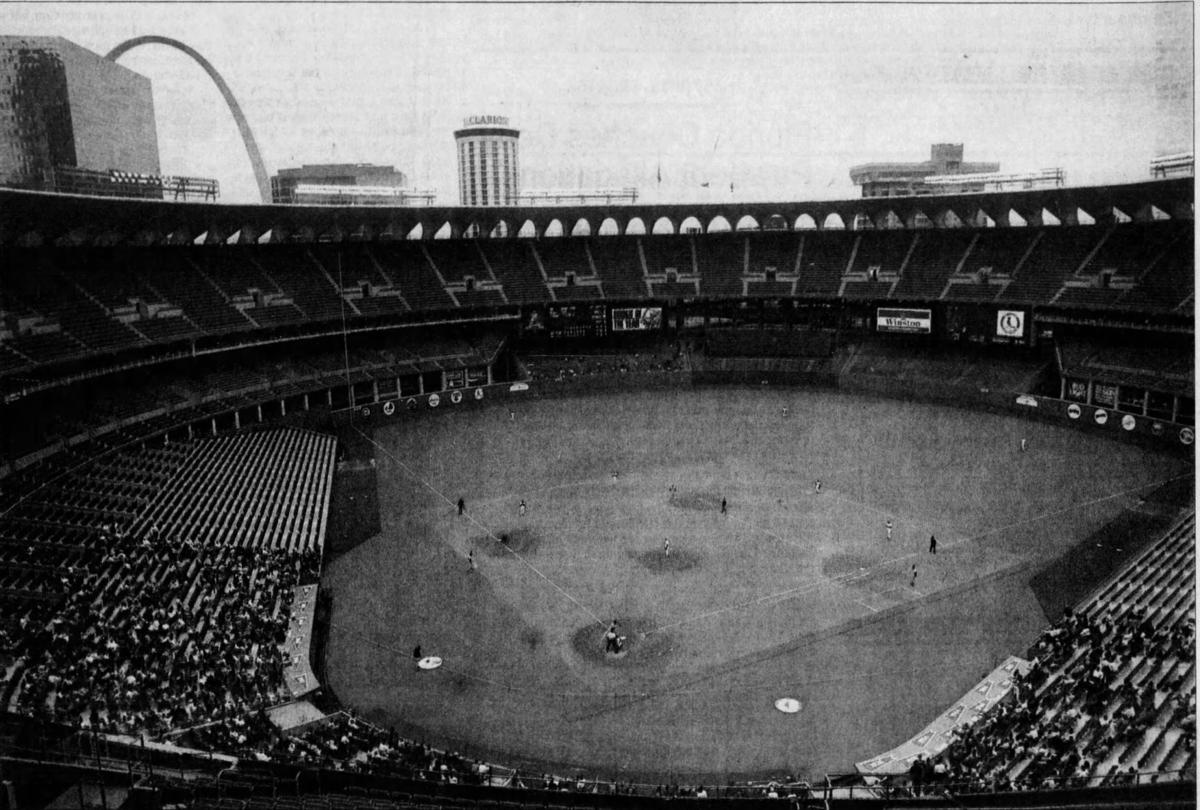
944,158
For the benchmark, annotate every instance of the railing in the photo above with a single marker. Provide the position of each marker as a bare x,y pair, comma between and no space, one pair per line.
113,759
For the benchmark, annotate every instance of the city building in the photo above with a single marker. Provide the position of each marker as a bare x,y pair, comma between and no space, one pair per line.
911,179
1180,164
489,171
599,196
345,184
66,109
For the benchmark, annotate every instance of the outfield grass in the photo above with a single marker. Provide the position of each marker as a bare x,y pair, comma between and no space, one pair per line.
790,594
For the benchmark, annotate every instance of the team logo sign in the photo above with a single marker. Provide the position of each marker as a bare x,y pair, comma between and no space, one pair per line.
434,400
366,411
1101,416
1187,436
1074,411
1128,422
411,404
1010,323
456,397
1157,428
389,408
478,393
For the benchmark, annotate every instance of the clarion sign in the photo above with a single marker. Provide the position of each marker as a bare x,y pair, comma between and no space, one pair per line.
485,120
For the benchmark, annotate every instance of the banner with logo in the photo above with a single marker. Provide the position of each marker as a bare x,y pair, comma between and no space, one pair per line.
904,321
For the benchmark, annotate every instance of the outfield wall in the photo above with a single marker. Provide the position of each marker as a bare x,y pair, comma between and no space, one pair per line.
1148,432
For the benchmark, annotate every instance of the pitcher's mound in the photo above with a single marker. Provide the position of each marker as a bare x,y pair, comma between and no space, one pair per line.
642,646
658,563
523,541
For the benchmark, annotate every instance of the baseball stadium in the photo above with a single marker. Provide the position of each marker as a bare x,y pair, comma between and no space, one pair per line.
859,503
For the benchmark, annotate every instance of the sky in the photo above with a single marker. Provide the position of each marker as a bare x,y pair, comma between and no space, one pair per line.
775,100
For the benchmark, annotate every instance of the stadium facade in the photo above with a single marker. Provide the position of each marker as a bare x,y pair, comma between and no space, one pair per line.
134,330
66,107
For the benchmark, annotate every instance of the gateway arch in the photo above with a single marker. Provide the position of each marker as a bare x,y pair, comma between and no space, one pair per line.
256,161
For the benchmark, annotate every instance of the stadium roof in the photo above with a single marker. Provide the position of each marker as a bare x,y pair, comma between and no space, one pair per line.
35,218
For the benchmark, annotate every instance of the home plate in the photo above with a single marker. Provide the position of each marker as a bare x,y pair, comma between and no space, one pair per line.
788,705
431,662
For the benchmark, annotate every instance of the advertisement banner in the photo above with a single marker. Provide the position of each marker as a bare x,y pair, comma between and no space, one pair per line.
1104,395
636,319
904,321
1077,390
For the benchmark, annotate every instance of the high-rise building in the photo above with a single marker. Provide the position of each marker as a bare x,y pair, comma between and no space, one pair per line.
63,107
488,165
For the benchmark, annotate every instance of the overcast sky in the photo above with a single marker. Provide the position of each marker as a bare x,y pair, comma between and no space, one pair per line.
779,100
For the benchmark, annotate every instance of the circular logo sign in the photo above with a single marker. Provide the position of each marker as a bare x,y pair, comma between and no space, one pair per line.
1010,323
1187,436
412,404
1074,411
478,393
456,397
1157,428
366,411
389,408
434,400
1101,416
1128,422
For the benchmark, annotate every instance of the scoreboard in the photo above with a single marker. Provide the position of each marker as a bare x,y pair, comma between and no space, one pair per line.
569,320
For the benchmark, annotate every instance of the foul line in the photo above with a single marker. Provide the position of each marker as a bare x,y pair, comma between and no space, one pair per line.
595,617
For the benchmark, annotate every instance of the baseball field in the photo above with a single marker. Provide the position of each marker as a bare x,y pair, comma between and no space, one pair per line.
791,592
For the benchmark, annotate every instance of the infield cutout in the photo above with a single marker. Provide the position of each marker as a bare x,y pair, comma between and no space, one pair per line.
639,646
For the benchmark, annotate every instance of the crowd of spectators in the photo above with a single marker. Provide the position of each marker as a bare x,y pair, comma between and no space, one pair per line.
1079,704
156,633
